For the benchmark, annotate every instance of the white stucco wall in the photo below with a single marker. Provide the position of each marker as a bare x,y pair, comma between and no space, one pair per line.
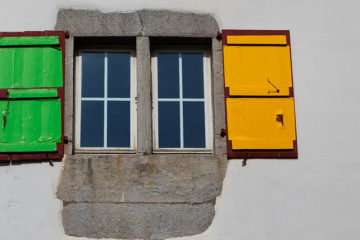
314,197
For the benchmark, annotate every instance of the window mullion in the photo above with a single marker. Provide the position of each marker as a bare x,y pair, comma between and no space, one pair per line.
105,97
181,102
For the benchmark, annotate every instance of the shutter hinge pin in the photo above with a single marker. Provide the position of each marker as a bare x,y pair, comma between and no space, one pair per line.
218,36
67,34
223,132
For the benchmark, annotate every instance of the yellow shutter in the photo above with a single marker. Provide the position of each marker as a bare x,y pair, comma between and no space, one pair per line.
259,103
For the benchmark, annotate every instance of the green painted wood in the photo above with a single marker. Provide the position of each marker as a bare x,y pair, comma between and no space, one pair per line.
30,67
38,147
32,93
31,125
26,41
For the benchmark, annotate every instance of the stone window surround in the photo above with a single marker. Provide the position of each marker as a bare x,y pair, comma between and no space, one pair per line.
142,25
117,187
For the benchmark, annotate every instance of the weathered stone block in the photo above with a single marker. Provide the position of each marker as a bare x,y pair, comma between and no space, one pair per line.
134,178
140,23
129,221
144,107
96,23
178,24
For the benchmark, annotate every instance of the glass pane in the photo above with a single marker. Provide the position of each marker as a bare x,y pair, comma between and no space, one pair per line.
92,74
193,75
119,75
92,124
118,132
168,75
194,125
169,125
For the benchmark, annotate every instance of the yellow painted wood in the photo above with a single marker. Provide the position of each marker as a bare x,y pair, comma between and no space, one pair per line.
252,123
257,39
257,70
262,144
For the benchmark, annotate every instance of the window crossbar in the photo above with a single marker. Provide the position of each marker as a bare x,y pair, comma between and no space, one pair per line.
181,100
104,99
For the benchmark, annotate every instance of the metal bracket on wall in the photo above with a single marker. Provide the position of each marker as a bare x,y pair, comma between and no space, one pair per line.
223,132
219,36
245,160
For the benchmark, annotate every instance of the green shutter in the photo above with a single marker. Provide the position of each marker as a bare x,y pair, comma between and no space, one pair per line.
31,71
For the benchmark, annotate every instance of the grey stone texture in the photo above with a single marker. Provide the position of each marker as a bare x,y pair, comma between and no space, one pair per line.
140,221
140,195
177,24
139,23
218,96
144,123
164,178
95,23
69,96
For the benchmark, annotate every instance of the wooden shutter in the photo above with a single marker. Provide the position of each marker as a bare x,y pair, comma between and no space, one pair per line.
259,94
32,95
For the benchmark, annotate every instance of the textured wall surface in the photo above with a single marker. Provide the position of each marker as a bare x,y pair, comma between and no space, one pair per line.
314,197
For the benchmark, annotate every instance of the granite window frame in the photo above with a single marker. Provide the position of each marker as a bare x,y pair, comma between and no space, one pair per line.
143,35
143,180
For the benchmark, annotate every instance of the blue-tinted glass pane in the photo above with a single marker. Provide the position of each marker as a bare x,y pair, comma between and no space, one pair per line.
193,75
168,75
92,124
194,125
118,132
169,125
92,74
119,75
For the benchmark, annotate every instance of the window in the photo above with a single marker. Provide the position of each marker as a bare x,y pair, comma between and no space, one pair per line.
182,116
106,109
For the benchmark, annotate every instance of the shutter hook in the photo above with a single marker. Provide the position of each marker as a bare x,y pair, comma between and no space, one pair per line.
7,111
277,90
245,160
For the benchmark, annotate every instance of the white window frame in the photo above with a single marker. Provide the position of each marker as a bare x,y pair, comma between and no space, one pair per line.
207,102
133,110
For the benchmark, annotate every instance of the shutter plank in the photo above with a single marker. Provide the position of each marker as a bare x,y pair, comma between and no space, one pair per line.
33,93
30,67
258,39
28,41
